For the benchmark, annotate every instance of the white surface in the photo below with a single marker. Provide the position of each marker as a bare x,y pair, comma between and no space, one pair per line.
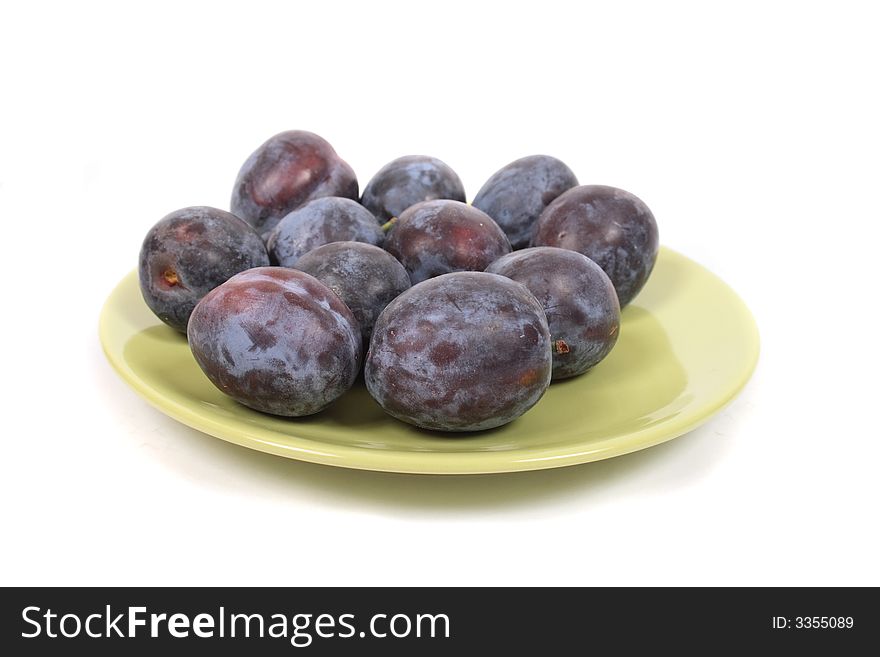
751,131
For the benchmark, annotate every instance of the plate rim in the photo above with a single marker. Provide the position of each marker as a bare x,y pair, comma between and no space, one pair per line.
439,463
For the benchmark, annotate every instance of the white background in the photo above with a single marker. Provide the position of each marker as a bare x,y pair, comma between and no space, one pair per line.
750,130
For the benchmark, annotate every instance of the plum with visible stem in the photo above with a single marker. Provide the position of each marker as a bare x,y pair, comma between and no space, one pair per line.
277,340
578,299
465,351
287,171
190,252
610,226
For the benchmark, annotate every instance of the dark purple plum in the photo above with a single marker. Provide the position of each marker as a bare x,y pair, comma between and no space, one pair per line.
319,222
461,352
409,180
288,171
578,299
612,227
364,276
516,195
439,237
277,340
190,252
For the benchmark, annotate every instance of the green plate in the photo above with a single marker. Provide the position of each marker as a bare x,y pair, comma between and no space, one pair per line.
687,345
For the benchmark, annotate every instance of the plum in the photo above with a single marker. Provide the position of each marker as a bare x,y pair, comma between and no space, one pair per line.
324,220
409,180
578,299
439,237
612,227
190,252
516,195
287,171
465,351
364,276
277,340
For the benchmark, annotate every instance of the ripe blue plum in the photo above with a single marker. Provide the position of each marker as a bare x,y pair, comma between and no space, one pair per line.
517,194
610,226
578,298
190,252
277,340
324,220
465,351
439,237
409,180
287,171
364,276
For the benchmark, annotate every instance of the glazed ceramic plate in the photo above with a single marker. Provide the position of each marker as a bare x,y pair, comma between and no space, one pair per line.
687,345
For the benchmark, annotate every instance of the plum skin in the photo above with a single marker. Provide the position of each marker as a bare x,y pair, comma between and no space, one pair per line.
364,276
188,253
578,298
285,172
277,340
464,351
319,222
610,226
409,180
517,194
439,237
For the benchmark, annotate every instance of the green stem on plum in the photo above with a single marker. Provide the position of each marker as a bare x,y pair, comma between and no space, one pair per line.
389,224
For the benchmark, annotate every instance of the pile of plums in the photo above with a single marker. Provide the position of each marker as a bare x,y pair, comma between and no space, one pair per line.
458,315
